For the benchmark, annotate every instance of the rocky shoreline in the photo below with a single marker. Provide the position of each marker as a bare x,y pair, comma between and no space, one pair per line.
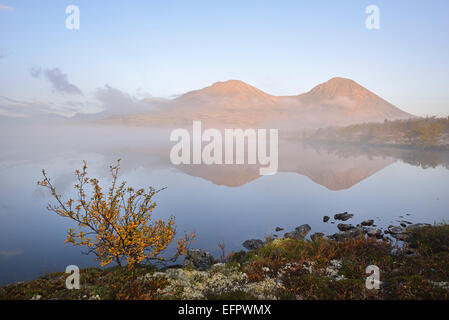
412,259
347,231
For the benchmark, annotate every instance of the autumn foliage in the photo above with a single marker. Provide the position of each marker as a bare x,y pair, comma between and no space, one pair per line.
117,225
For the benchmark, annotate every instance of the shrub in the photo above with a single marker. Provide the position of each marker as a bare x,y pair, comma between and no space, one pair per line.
119,224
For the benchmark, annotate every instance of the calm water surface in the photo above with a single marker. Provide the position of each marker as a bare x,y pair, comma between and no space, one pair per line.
226,204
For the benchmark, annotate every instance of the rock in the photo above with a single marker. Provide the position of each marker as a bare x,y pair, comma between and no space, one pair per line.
345,227
345,235
219,266
373,232
398,233
403,224
316,236
291,235
36,297
400,236
326,218
417,226
253,244
396,230
367,223
343,216
278,229
299,233
198,259
303,230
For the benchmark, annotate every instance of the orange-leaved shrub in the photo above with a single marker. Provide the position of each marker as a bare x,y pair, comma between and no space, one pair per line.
118,224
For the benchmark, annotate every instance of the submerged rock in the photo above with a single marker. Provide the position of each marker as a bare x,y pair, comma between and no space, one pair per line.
398,233
396,230
345,235
253,244
373,232
198,259
345,227
343,216
367,223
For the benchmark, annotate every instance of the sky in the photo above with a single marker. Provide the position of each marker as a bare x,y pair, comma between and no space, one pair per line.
165,48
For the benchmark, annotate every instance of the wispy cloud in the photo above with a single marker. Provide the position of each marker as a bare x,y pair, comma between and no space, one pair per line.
115,101
57,79
4,7
23,109
15,108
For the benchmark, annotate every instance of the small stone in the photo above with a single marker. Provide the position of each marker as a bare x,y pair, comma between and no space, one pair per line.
345,235
303,230
367,223
326,218
198,259
395,230
278,229
373,232
253,244
343,216
345,227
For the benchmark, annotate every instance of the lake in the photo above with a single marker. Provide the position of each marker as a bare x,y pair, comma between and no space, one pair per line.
222,204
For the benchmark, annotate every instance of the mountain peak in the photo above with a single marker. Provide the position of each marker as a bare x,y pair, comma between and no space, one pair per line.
232,86
341,87
229,88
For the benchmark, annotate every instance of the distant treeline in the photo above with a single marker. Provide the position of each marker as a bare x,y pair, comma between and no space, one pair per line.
429,132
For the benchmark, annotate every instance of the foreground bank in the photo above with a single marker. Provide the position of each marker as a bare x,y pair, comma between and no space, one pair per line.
287,268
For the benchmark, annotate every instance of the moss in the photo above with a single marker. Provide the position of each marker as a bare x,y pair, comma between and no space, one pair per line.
234,295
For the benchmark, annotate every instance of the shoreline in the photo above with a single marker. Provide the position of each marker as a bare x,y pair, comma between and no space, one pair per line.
282,268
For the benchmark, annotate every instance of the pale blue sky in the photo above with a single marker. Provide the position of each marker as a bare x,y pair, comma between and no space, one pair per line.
166,48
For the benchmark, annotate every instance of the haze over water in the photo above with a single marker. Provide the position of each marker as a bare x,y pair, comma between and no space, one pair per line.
222,204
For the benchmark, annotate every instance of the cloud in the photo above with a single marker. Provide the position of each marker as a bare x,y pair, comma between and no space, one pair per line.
118,102
56,108
57,79
5,8
22,109
60,83
35,72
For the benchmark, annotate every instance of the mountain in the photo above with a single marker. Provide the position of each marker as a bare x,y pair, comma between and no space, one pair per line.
343,101
232,103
